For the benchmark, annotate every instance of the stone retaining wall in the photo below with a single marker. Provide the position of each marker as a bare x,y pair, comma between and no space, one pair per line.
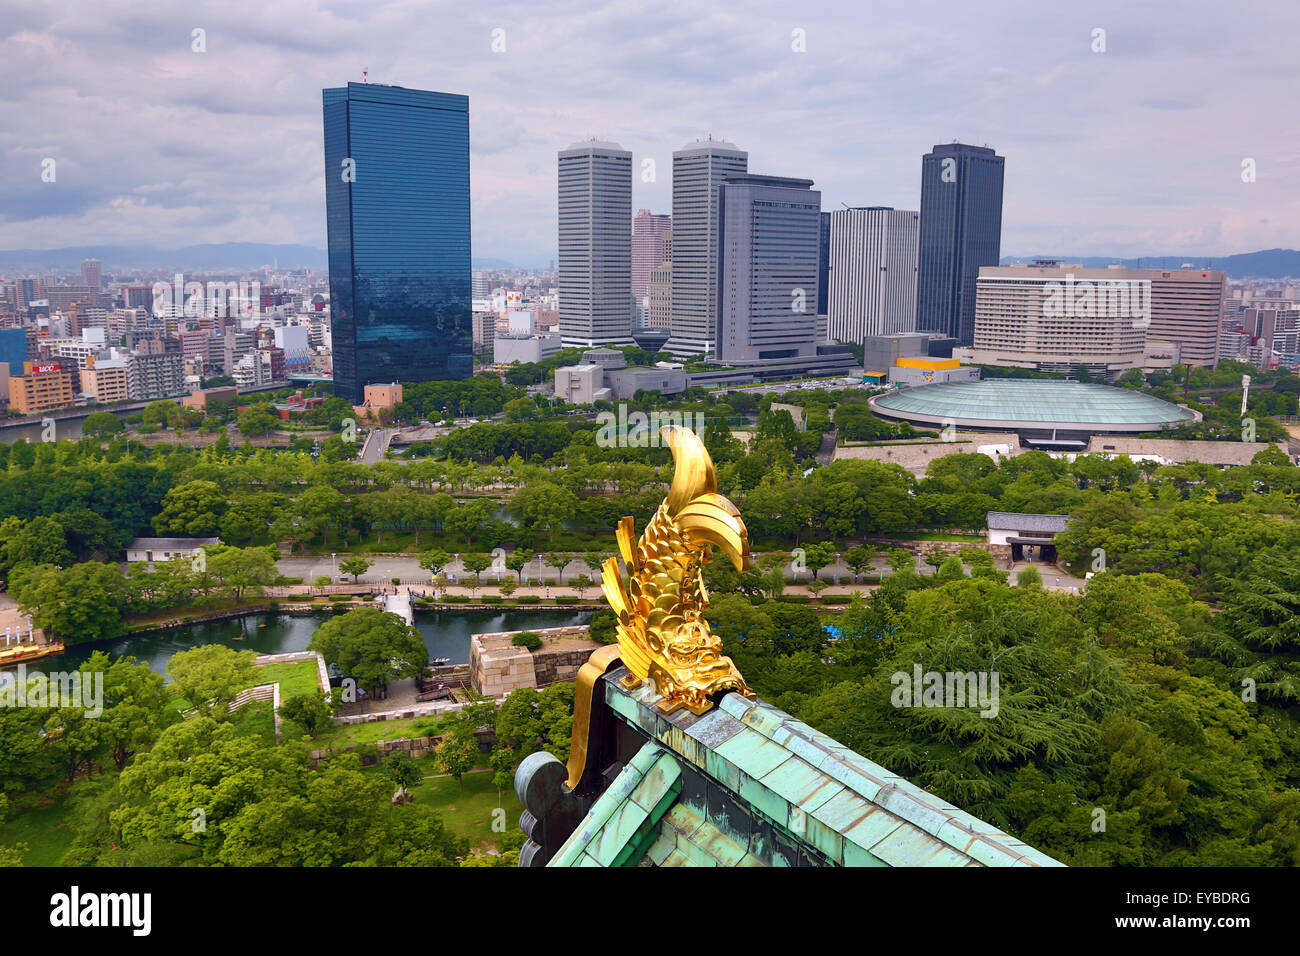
497,667
415,747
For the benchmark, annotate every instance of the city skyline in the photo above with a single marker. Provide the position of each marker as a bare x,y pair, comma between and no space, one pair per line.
1108,149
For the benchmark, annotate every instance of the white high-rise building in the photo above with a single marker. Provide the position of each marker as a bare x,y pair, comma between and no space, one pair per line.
698,170
595,240
872,274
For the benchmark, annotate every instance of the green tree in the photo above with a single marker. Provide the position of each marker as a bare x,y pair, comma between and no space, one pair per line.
242,570
162,413
258,420
458,752
476,563
101,425
858,559
355,566
402,771
1029,577
371,646
818,556
81,603
311,711
135,705
516,561
558,560
435,561
192,509
209,677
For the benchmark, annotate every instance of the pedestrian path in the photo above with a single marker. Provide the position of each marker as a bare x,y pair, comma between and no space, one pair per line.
400,603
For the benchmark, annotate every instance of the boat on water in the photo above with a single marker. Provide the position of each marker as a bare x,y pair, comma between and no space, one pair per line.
439,661
23,653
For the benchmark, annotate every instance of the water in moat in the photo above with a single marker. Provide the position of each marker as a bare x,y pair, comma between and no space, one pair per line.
446,634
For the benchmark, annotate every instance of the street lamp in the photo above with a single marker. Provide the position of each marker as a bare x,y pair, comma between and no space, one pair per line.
335,559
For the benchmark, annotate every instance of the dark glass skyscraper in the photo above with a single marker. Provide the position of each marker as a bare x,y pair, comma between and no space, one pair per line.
397,210
961,230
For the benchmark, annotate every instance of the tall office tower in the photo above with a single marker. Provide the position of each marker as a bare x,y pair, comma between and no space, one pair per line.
595,234
27,292
481,284
90,274
961,230
872,273
824,266
769,229
659,291
698,171
647,249
397,210
1187,308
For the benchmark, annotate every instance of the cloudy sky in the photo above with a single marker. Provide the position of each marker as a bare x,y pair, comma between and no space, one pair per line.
1135,150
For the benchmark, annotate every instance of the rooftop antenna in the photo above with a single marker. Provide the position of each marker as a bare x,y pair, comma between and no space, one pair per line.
365,76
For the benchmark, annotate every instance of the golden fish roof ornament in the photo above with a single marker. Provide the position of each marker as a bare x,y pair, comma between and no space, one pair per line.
658,595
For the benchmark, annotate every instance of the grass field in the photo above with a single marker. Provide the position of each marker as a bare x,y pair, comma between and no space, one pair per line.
47,822
255,719
44,828
340,735
468,811
294,677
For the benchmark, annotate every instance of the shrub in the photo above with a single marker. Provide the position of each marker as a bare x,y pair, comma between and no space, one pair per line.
491,599
836,598
528,639
273,605
397,580
603,626
340,597
367,597
300,597
565,599
456,598
528,599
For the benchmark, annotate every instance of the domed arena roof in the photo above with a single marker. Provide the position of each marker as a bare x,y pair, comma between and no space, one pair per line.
1032,403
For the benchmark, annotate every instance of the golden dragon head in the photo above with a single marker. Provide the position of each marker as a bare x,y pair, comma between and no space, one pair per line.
704,517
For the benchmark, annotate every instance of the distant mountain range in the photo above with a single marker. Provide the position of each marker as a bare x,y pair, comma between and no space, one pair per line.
239,256
1268,264
212,256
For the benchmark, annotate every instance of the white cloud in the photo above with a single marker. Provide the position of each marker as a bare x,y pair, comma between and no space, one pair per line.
1135,150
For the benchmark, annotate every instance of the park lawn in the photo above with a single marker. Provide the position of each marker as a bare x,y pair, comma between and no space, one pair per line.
294,677
468,811
340,735
46,823
255,719
45,829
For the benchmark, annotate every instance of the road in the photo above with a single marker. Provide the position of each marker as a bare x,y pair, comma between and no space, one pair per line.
376,444
407,567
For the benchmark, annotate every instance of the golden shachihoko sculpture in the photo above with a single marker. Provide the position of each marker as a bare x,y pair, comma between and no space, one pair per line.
660,600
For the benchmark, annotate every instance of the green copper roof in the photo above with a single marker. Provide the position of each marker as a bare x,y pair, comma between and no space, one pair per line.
1007,402
802,798
620,826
